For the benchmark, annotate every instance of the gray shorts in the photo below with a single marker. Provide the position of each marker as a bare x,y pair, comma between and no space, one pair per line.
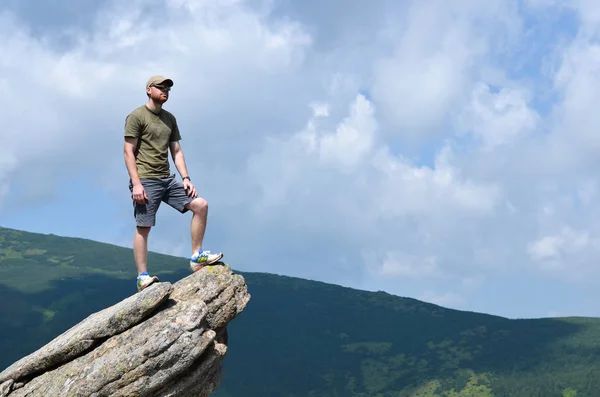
168,190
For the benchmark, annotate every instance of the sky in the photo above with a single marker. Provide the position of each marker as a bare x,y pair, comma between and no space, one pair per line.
443,151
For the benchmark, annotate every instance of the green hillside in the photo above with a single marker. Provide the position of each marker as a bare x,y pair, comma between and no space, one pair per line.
305,338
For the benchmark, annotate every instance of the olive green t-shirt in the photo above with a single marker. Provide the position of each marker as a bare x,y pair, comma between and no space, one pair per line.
154,132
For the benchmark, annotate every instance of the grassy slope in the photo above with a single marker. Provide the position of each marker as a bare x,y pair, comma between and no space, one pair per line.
305,338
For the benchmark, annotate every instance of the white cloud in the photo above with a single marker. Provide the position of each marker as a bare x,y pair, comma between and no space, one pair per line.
558,250
437,57
549,247
401,144
369,196
353,138
498,118
407,189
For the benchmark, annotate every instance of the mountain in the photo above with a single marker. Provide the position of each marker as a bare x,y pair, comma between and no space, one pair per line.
306,338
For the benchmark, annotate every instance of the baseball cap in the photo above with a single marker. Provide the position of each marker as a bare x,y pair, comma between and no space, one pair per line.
159,80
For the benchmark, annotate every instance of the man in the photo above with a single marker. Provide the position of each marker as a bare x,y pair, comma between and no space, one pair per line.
150,132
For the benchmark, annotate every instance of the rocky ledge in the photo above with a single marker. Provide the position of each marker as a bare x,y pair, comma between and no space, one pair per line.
168,340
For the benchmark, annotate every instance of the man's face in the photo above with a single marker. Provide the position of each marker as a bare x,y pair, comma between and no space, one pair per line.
159,92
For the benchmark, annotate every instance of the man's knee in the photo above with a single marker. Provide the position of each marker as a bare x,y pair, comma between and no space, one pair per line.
198,205
143,230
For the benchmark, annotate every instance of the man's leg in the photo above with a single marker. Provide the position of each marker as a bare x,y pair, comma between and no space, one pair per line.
176,197
140,248
145,218
199,208
200,257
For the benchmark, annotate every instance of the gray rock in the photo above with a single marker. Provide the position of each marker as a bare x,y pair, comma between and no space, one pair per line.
168,340
84,335
5,388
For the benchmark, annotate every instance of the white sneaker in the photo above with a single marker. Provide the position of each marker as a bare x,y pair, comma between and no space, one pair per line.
201,259
144,281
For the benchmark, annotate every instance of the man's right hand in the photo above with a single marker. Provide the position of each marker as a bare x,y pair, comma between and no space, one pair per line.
139,194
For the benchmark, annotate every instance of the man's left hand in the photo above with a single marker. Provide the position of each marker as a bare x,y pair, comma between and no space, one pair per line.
189,188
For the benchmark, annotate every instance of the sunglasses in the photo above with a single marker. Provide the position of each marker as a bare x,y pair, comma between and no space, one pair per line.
161,87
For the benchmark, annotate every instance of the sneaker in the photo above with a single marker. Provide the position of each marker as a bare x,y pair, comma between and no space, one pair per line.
144,281
203,258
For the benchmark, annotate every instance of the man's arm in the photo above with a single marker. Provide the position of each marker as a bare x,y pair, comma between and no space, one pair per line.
128,152
179,160
138,191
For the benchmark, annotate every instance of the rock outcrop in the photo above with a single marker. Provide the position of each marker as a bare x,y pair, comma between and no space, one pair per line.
168,340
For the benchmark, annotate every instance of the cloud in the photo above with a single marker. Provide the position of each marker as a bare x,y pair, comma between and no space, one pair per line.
405,146
342,178
438,54
497,118
551,247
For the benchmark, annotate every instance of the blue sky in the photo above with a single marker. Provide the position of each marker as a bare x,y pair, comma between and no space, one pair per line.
443,151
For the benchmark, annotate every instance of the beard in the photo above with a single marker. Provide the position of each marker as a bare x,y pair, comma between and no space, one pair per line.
160,98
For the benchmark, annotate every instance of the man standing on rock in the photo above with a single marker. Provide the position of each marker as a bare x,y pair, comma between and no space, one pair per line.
150,132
